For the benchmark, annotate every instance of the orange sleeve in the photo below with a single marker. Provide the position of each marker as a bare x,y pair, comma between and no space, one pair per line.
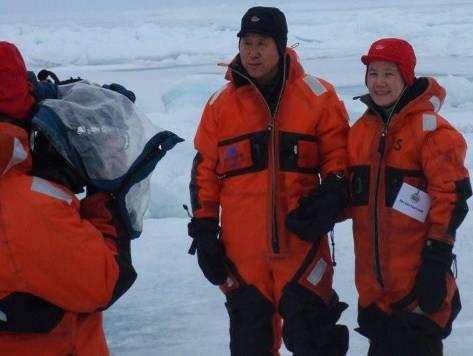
93,208
63,258
205,185
443,156
333,133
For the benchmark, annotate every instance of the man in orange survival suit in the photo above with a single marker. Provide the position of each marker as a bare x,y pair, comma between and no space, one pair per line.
409,190
62,260
264,142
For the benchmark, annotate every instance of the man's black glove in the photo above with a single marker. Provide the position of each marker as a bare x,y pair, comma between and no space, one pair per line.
317,213
43,89
210,254
431,284
121,89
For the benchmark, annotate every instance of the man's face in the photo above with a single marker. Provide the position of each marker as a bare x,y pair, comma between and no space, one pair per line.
260,57
384,82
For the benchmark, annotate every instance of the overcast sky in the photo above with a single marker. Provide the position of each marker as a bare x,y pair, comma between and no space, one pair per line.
70,6
43,6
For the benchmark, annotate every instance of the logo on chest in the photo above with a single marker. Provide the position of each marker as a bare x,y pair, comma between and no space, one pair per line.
232,158
415,197
397,144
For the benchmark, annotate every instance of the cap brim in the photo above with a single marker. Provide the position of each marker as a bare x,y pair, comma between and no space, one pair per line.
259,32
367,59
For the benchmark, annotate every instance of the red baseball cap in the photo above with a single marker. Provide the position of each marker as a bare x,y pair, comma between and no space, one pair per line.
394,50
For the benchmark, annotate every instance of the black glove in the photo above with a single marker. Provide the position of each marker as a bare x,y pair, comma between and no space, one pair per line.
210,254
43,89
431,284
317,213
120,89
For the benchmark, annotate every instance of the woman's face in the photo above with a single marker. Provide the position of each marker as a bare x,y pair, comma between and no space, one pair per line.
384,82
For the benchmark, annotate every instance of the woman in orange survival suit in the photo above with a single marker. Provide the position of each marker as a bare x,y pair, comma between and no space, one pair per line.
409,188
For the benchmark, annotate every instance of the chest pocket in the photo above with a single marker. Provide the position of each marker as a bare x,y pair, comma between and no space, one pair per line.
243,154
394,177
299,153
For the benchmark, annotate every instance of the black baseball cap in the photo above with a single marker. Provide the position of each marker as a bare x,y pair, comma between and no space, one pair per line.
268,21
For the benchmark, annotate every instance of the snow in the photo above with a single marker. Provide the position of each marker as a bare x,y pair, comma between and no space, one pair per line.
167,51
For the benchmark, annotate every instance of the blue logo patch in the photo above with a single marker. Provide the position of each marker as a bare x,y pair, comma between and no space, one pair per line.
232,157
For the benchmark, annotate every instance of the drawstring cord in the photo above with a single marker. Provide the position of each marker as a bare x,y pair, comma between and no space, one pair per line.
455,266
332,240
193,247
186,208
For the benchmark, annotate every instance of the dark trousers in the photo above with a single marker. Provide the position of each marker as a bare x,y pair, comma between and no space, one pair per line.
400,334
309,327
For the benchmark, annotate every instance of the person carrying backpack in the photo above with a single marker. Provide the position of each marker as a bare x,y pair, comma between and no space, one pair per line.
63,260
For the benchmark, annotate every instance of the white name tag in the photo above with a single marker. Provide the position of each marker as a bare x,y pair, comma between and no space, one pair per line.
412,202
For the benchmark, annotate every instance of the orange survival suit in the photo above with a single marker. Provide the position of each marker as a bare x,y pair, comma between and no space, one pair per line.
416,148
251,169
62,261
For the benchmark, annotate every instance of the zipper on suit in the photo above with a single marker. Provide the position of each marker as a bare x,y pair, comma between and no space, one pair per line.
375,211
274,140
274,225
275,246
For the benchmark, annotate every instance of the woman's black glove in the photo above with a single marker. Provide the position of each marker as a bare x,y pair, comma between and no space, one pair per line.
317,213
210,253
431,284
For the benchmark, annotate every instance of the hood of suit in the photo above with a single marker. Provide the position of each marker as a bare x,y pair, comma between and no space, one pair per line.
16,97
426,94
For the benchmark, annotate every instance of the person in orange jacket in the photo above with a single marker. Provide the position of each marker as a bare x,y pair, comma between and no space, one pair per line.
267,184
63,261
409,188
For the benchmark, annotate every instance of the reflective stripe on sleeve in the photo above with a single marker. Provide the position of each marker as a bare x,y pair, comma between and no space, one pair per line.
19,155
436,103
429,122
3,317
314,84
42,186
317,273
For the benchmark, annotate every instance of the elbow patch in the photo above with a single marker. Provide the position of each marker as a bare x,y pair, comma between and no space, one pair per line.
27,313
127,274
193,186
463,190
